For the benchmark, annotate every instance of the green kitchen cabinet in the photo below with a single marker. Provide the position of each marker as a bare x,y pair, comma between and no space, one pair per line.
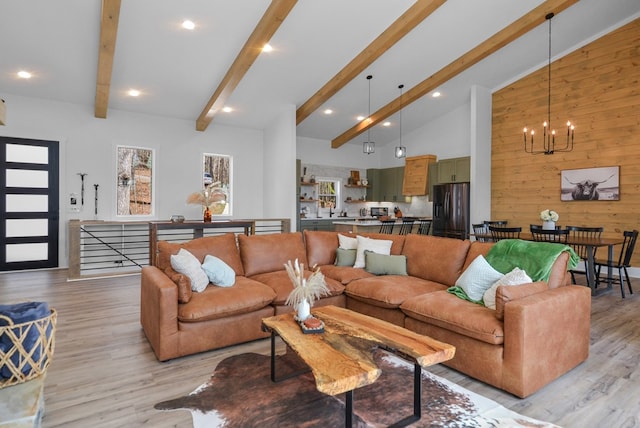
454,170
386,184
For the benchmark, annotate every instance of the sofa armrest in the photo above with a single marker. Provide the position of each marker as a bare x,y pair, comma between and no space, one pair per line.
159,311
546,335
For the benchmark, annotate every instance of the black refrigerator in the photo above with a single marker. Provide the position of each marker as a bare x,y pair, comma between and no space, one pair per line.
451,210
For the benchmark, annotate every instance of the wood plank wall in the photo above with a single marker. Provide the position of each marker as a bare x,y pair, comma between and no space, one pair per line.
596,87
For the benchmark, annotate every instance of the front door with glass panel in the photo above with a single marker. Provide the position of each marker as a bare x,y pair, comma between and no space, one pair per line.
29,204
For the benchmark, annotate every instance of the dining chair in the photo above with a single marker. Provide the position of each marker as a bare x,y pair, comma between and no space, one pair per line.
496,222
481,232
582,232
407,226
424,227
502,232
387,226
548,235
624,261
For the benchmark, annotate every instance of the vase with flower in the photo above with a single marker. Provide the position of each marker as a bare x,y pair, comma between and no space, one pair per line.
549,218
212,198
305,292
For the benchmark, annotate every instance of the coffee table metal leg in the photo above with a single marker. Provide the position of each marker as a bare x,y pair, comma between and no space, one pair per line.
274,378
417,399
348,409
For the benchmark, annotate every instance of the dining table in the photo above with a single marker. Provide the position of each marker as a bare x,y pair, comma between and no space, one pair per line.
591,245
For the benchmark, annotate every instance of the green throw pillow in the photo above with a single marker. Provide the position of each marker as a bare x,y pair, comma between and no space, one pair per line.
345,257
381,264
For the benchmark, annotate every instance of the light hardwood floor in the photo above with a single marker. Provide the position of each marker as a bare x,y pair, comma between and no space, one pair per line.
104,373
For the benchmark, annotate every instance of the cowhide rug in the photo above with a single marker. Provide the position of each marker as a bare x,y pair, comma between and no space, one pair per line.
240,394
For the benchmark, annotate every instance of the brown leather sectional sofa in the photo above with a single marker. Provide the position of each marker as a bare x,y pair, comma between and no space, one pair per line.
538,332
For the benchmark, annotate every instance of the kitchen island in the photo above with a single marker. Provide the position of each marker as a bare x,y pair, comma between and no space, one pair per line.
371,226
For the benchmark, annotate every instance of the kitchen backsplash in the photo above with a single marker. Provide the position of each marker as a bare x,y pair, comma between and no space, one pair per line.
419,206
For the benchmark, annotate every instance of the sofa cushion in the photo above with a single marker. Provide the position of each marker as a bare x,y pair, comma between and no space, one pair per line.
475,249
182,282
269,253
187,264
397,240
447,311
222,246
509,293
435,258
478,278
389,291
345,257
220,302
380,264
344,274
516,277
347,242
281,284
321,247
218,272
380,246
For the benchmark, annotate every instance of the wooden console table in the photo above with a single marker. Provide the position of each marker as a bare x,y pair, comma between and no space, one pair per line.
198,228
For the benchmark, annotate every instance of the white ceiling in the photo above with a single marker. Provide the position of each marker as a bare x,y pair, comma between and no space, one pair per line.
178,71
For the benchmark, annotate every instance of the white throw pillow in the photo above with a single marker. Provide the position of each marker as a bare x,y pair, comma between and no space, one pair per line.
516,277
477,278
347,243
187,264
379,246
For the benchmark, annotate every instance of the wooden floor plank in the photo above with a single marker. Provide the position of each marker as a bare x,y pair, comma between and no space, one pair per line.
104,373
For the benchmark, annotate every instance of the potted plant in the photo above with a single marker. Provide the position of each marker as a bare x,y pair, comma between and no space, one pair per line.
212,198
549,219
305,290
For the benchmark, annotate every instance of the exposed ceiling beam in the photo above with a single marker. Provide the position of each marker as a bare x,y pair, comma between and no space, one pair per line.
108,33
266,28
396,31
497,41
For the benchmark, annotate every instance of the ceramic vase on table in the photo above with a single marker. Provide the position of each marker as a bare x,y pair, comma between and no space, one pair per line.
549,225
303,310
207,215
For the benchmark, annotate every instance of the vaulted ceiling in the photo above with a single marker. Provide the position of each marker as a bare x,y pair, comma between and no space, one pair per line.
91,53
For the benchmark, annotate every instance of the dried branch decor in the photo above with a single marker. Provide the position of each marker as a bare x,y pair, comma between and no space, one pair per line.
309,289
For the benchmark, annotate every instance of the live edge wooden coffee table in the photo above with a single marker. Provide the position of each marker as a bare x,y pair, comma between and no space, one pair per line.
341,358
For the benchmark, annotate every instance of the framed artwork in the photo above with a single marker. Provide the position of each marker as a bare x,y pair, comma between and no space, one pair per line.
590,184
134,181
216,177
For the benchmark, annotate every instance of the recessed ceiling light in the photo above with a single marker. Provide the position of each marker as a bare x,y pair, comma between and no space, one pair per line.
188,25
386,124
227,109
24,74
133,92
328,111
436,94
267,48
360,118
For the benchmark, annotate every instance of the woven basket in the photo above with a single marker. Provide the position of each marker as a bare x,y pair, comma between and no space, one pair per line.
25,364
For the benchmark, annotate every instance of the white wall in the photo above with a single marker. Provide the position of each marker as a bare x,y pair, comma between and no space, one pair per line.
279,178
480,144
319,152
89,145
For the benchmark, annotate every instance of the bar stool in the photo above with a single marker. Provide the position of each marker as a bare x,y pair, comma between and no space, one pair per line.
407,226
387,226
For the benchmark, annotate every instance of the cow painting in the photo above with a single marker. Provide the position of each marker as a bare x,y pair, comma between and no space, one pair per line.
586,190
